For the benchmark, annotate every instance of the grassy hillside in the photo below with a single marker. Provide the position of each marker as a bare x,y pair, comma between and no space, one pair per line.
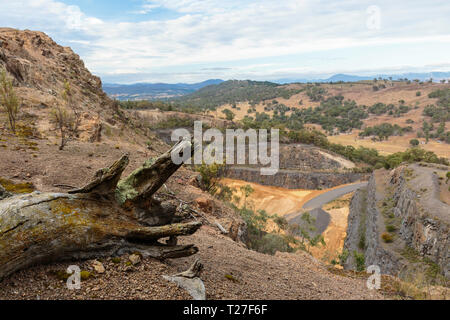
389,116
234,91
385,115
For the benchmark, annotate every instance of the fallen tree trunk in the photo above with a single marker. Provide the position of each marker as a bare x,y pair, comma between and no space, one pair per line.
107,217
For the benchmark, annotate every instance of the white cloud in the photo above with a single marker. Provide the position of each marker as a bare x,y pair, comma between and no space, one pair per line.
213,32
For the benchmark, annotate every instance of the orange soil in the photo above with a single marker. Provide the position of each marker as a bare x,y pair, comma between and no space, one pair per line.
281,201
273,200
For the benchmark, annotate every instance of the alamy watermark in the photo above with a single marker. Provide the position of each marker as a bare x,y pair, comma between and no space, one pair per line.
231,149
373,21
74,280
374,281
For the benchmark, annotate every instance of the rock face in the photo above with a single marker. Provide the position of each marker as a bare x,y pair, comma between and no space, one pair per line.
301,167
309,158
39,68
407,199
363,233
293,179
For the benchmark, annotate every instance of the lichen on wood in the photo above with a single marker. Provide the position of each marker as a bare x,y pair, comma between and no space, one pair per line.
92,222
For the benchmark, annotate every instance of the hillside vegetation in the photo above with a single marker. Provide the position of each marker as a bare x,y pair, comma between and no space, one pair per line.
234,91
386,118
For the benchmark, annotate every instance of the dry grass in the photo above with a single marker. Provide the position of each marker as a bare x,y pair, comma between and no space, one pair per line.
363,94
394,144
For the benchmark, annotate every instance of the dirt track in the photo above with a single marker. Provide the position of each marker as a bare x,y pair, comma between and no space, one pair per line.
314,206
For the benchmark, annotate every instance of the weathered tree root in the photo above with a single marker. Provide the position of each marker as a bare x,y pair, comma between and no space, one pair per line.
104,218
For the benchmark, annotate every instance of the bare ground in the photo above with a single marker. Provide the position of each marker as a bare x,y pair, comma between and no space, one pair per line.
256,275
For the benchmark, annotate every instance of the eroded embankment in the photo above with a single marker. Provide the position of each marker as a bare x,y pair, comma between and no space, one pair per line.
290,203
399,221
291,179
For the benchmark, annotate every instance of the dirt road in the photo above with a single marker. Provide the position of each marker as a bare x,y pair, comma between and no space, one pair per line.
314,206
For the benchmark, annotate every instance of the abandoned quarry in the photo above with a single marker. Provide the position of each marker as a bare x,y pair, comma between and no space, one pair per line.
89,187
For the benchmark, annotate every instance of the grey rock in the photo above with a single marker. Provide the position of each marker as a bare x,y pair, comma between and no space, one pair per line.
194,286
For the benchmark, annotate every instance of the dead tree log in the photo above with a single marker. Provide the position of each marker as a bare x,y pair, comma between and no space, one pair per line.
107,217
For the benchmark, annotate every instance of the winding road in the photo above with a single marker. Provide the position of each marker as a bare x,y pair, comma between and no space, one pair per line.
314,206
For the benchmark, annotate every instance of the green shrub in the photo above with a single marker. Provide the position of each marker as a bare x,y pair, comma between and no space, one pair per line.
390,228
343,257
414,142
175,122
362,242
210,175
271,243
360,261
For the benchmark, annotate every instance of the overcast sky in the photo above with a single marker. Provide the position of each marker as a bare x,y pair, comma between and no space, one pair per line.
126,41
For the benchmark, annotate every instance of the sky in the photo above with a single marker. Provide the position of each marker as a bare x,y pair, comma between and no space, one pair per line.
173,41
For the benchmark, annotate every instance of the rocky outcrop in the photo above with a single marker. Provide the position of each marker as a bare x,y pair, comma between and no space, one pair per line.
292,179
363,233
310,158
407,199
425,220
39,68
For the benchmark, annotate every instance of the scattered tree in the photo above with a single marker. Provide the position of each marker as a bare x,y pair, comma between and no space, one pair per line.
63,121
8,99
414,142
228,114
210,175
67,95
247,190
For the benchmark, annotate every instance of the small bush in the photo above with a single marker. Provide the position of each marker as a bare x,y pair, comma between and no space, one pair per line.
362,242
271,243
8,99
390,228
343,257
359,260
414,142
210,175
388,238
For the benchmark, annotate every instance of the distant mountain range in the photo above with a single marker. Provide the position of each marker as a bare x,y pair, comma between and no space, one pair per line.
150,91
436,76
140,91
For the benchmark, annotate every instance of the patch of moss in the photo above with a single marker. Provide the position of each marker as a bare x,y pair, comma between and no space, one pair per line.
85,275
116,260
128,263
231,278
10,186
61,274
388,238
24,131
